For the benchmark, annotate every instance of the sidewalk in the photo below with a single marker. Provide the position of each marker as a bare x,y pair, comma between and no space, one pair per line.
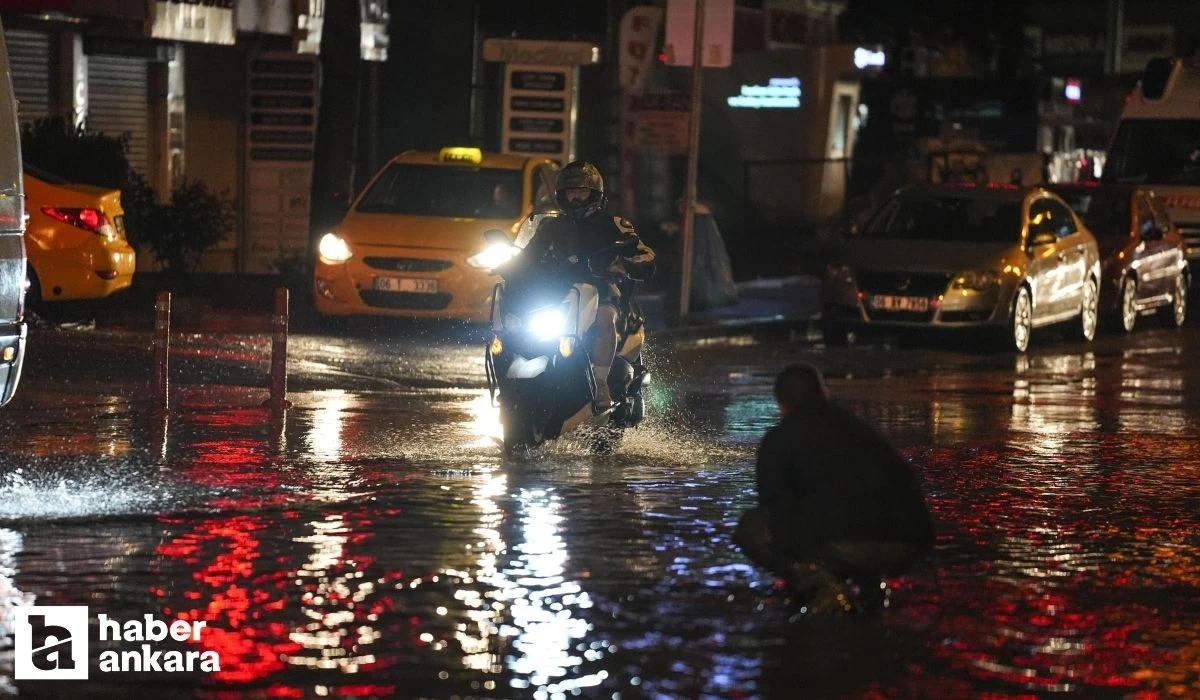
786,302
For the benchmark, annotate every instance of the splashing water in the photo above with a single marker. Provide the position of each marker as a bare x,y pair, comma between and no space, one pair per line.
25,496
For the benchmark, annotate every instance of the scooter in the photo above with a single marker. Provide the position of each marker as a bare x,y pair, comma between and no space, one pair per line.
537,361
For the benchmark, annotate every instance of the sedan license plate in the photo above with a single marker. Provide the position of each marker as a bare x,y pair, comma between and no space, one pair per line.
406,284
884,302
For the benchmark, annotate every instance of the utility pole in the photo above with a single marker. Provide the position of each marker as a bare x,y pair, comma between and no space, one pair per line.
687,230
1114,37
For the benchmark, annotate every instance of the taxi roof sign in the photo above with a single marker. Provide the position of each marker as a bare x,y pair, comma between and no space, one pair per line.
461,154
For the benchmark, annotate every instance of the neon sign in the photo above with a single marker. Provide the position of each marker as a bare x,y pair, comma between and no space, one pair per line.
778,93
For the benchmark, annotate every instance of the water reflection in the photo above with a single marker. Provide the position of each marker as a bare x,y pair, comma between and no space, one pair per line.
1152,391
339,633
1052,396
11,544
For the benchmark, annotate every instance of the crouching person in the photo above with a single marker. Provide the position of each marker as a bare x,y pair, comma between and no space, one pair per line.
838,507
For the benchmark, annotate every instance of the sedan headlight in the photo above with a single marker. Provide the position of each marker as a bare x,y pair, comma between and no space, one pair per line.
333,249
493,256
546,324
977,281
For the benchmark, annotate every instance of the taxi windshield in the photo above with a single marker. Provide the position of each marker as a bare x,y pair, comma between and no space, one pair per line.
442,190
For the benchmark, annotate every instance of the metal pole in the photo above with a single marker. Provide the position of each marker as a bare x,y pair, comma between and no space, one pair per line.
161,342
279,336
1114,39
689,209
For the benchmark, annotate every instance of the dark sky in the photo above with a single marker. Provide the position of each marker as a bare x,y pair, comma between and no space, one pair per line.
543,17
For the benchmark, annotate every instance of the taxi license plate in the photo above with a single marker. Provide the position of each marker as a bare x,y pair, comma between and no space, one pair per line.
406,284
884,302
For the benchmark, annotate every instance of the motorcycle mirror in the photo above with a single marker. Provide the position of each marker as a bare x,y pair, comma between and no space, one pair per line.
495,235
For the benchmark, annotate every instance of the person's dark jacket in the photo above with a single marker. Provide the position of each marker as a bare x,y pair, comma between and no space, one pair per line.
608,243
824,475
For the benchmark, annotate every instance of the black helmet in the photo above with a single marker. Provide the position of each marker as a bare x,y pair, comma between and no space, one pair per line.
575,175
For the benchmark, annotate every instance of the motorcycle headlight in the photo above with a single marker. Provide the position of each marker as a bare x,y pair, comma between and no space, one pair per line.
333,249
546,324
493,256
977,281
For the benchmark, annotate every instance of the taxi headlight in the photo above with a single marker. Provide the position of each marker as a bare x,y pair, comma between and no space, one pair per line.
545,324
493,256
977,281
333,249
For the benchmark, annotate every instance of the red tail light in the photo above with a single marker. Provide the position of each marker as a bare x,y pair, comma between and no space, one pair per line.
87,219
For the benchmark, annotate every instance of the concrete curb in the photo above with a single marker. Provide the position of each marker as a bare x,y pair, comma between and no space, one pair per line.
804,329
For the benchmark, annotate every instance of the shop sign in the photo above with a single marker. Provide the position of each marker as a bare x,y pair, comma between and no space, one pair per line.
541,53
203,21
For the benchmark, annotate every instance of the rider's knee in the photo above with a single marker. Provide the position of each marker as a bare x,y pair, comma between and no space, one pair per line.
606,313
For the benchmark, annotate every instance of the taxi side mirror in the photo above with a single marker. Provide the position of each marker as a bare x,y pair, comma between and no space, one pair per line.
495,235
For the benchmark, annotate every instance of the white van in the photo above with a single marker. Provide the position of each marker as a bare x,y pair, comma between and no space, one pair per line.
1157,142
12,238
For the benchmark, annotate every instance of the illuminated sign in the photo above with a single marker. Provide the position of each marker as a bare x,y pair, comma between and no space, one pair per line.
778,93
1073,92
461,154
864,58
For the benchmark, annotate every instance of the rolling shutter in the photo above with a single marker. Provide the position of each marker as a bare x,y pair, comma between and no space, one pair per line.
29,63
118,103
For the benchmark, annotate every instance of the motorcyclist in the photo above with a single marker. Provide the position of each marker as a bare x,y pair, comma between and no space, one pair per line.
592,241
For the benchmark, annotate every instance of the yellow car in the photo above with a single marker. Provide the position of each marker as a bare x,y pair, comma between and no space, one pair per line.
75,240
408,245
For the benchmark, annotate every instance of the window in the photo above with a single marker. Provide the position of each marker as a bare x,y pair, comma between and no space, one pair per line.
947,218
543,187
1160,151
1161,217
1105,212
1145,219
440,190
1061,221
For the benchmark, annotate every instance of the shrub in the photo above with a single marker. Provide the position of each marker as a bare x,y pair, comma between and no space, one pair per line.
194,220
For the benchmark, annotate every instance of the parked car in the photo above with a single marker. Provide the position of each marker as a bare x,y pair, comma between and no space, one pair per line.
12,244
408,245
967,256
75,239
1143,254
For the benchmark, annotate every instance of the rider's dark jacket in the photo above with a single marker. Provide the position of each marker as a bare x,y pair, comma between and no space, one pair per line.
606,243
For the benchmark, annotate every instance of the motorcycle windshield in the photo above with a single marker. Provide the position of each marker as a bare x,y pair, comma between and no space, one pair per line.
535,289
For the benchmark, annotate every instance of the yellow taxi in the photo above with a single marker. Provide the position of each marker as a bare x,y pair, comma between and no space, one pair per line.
410,243
75,239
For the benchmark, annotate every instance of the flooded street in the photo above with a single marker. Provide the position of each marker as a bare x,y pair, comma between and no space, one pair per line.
374,542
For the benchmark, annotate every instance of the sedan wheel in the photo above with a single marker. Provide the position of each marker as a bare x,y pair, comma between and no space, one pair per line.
1022,320
1088,310
1175,314
1129,311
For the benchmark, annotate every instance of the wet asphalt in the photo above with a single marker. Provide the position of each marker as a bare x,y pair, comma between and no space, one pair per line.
372,541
